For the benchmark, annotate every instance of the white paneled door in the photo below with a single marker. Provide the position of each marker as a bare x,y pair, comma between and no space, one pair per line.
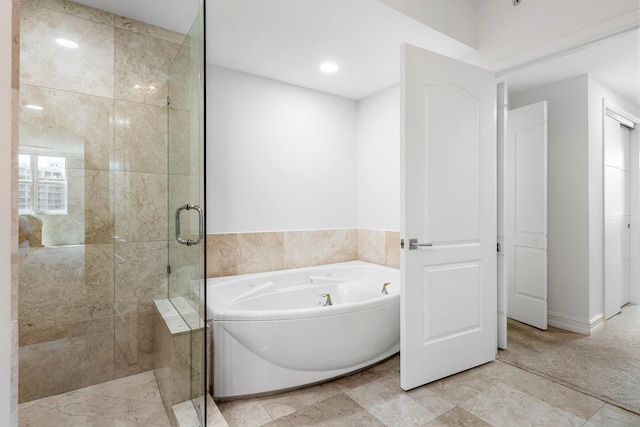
617,217
448,221
526,202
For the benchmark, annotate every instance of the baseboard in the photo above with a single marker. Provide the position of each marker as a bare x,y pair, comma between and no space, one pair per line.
568,323
596,323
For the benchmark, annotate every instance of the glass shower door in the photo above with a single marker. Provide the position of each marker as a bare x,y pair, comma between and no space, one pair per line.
186,201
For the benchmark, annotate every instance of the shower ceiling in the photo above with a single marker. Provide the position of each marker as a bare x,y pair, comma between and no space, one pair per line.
287,40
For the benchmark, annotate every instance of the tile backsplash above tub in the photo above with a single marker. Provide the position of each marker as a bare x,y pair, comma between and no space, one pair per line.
231,254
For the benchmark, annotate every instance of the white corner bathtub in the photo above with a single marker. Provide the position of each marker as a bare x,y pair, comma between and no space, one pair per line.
271,331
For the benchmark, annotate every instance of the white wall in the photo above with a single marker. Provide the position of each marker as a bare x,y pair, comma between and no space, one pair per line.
596,93
6,401
507,31
568,203
455,18
378,161
279,157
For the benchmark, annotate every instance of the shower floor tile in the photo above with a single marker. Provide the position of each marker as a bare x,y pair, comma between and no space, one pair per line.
131,401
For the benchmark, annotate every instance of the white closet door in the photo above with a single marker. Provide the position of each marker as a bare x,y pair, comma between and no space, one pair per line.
617,216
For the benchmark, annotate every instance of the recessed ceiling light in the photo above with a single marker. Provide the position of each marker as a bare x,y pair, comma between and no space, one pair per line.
329,67
34,107
67,43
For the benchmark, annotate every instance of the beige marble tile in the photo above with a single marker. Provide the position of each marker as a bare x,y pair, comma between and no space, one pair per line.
180,368
335,411
65,357
497,370
185,75
340,246
554,394
371,246
98,200
457,417
99,280
258,252
76,126
79,408
54,289
461,387
186,270
141,67
140,275
214,416
75,9
141,207
184,155
391,405
287,403
142,387
392,248
186,415
148,30
140,138
501,405
162,354
173,321
87,69
612,416
245,413
222,255
133,343
303,248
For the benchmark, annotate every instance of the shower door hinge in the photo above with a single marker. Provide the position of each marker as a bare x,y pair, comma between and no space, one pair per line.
168,269
168,100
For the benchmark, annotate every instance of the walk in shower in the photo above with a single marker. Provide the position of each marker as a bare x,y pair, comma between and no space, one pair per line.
111,147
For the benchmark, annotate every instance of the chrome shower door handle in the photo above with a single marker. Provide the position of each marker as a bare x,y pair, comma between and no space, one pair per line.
179,237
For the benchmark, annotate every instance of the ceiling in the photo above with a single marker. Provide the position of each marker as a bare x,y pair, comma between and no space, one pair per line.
287,40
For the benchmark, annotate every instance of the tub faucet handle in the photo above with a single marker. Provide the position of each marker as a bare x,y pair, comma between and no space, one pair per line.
328,301
384,288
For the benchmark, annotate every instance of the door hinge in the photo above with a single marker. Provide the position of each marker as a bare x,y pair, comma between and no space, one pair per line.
499,247
168,269
168,100
401,243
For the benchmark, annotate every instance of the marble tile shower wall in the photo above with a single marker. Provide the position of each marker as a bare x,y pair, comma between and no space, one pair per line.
242,253
86,297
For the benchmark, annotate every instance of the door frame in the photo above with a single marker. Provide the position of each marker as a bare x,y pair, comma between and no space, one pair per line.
634,188
502,105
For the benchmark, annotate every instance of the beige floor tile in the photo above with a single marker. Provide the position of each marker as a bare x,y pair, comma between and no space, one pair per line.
286,403
390,366
244,413
391,405
337,411
83,409
502,405
612,416
457,417
141,386
463,386
554,394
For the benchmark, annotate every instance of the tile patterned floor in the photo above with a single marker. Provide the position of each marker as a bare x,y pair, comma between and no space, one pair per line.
131,401
495,394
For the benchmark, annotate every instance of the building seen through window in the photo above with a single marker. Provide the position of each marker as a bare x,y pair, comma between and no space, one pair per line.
42,184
